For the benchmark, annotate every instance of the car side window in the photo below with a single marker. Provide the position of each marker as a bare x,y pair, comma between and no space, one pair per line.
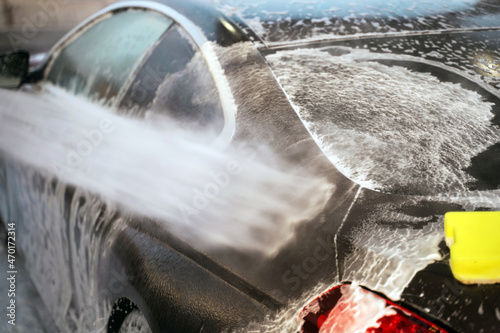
175,81
98,63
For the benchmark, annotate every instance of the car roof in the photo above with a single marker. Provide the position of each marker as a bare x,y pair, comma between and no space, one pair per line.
215,25
278,21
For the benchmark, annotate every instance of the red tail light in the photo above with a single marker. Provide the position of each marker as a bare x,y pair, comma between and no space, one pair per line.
349,308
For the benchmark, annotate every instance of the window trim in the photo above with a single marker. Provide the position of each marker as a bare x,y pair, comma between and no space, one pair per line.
205,47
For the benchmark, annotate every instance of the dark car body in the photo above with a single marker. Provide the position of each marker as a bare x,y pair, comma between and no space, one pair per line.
180,287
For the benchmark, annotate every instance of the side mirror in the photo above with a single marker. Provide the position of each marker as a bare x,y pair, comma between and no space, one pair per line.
13,69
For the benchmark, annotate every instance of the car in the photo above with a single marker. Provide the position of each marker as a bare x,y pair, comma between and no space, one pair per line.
392,107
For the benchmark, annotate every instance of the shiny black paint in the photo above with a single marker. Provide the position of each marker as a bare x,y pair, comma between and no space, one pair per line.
181,289
294,21
434,292
274,282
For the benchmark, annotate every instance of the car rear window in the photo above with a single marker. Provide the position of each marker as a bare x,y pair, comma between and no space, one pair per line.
391,128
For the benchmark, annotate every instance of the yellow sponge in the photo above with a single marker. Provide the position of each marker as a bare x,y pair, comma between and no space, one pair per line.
474,242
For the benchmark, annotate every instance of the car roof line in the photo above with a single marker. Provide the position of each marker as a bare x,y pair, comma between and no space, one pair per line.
361,36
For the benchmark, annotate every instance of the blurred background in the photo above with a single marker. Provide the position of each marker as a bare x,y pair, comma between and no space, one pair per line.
36,25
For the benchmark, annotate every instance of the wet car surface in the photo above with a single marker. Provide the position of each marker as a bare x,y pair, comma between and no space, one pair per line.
395,107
